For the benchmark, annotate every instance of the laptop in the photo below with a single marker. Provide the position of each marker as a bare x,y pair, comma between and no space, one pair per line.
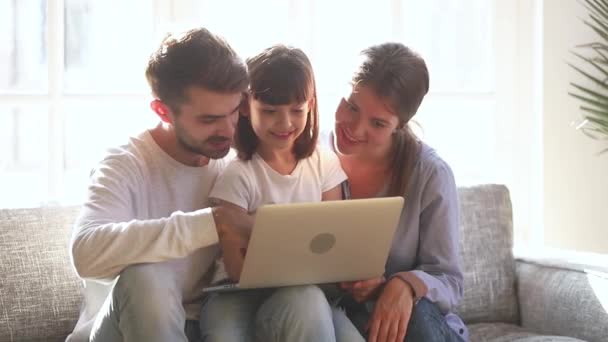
316,243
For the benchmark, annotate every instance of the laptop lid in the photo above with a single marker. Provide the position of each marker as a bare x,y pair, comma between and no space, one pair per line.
320,242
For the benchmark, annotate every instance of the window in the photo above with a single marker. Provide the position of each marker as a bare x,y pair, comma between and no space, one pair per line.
72,75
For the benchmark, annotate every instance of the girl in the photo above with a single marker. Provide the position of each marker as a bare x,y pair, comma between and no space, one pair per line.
278,162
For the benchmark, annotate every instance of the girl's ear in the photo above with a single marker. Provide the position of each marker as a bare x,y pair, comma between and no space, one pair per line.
311,103
161,109
244,107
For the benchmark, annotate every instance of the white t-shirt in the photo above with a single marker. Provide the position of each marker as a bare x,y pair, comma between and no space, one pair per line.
144,207
252,183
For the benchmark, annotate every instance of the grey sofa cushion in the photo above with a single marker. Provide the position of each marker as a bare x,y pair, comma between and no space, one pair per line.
39,292
564,301
501,332
486,250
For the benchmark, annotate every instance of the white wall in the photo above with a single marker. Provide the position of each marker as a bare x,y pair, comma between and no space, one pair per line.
575,183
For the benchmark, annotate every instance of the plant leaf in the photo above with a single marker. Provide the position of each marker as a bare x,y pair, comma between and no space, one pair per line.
592,78
598,114
602,151
591,92
597,30
600,7
595,65
588,100
602,26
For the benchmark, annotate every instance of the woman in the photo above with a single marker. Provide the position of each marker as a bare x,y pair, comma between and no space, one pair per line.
382,157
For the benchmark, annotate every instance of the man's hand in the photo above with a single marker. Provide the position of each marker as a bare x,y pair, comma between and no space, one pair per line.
363,290
232,220
392,312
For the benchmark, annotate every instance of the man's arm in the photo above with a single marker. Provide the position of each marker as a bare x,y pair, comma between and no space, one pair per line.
108,237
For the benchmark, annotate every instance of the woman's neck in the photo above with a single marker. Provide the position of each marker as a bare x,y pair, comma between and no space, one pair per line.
282,161
367,177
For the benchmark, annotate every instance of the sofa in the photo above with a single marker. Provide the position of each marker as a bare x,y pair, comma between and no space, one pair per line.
504,299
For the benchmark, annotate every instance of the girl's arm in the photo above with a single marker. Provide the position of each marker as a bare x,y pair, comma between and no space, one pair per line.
233,245
333,194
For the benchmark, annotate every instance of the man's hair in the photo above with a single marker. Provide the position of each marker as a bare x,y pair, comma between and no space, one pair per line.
280,75
194,58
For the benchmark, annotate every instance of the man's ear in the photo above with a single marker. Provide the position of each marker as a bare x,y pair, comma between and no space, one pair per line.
161,109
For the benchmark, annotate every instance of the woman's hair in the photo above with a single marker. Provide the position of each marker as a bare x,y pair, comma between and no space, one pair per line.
280,75
397,75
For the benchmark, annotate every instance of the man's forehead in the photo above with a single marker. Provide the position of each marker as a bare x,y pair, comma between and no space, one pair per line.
212,102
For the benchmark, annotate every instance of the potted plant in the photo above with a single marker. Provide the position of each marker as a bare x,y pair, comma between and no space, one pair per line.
594,98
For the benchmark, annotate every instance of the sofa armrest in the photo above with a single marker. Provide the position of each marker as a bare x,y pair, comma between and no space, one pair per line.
557,298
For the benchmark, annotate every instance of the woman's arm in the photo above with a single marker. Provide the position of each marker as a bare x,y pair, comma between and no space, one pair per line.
438,273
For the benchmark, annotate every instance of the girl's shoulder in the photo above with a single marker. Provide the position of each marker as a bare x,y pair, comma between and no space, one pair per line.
239,165
323,154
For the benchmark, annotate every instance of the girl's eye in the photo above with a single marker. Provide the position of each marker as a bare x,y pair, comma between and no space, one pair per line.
268,110
378,123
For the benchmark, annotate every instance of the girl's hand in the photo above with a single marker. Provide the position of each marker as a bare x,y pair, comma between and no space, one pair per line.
363,290
233,249
392,312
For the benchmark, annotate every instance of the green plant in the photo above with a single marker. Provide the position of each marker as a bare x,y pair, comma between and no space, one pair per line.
594,98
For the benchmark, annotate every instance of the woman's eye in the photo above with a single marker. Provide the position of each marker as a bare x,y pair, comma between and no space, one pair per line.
351,107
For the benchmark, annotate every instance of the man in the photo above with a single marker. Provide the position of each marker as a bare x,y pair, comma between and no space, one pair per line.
142,242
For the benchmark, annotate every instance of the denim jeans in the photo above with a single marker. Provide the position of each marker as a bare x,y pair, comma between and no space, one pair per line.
145,305
296,313
427,323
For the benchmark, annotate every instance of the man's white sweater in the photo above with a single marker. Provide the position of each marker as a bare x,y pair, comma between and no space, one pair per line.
143,206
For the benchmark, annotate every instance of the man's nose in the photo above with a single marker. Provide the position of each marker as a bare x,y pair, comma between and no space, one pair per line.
227,125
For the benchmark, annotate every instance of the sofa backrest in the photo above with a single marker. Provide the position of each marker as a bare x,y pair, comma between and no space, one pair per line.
40,293
486,248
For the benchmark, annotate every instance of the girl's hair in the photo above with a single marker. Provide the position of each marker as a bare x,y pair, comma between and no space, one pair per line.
280,75
400,76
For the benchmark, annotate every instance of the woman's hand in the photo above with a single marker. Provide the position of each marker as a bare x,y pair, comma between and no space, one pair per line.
392,312
363,290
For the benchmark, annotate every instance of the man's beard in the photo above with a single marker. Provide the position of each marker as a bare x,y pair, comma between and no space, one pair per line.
205,148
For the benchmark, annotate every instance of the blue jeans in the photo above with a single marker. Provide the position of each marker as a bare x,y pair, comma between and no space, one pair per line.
145,305
427,323
296,313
